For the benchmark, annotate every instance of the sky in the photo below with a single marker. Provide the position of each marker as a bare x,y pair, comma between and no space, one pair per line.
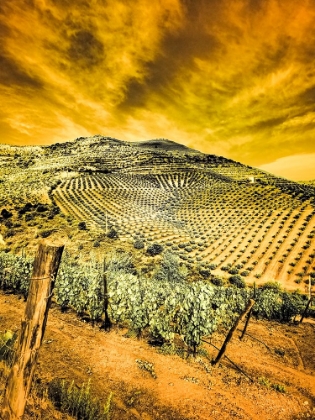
235,78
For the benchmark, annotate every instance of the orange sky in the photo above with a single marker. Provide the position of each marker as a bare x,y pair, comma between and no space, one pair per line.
230,77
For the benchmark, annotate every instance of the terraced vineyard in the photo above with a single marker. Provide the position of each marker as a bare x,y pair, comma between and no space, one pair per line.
217,215
230,218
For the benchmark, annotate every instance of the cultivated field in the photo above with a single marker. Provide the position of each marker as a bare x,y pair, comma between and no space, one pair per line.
217,215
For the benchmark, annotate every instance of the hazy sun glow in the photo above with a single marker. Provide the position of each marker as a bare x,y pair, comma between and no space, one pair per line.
230,77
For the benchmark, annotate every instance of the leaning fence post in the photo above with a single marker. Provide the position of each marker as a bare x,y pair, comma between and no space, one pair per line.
246,323
232,330
33,326
306,309
107,322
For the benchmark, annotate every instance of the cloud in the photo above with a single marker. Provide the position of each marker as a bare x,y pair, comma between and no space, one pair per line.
234,78
297,168
12,73
85,49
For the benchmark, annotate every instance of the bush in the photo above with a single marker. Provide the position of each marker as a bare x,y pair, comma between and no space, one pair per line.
41,208
170,269
272,285
244,273
7,340
205,273
26,208
9,233
154,249
29,217
233,270
119,261
77,401
82,225
217,281
112,234
237,281
55,210
292,303
45,233
138,244
6,214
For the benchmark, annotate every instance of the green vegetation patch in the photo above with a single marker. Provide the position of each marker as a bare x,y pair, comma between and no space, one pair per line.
78,401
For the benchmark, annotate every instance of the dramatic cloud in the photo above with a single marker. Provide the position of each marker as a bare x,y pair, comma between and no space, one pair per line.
299,166
231,77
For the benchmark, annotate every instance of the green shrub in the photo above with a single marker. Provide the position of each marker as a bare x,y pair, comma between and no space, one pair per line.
237,281
170,269
217,281
112,234
15,272
154,249
279,388
6,214
45,233
7,340
77,401
119,261
26,208
205,273
82,226
29,216
226,267
9,233
148,366
138,244
41,208
272,285
244,273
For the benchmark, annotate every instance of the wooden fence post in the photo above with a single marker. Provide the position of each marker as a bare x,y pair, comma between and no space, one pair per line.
33,325
246,323
232,330
306,309
107,322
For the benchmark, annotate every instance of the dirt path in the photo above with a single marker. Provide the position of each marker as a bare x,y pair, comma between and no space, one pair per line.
183,389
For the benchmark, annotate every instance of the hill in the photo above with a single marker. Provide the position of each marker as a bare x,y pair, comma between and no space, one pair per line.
221,218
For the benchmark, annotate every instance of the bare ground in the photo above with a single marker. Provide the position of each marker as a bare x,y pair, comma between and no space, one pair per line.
189,389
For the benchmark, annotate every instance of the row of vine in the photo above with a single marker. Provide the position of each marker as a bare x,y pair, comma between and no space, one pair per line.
165,304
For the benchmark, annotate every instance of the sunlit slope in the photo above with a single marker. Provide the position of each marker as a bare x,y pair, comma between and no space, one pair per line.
215,213
257,230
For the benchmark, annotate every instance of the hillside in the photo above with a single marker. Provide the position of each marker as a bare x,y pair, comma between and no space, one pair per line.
219,216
